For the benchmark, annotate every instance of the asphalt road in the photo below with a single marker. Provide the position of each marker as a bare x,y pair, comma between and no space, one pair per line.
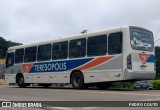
13,93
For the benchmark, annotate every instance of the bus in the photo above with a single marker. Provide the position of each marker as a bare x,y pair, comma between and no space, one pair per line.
124,53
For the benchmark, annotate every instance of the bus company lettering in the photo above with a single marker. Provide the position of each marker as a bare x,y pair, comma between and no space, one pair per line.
50,67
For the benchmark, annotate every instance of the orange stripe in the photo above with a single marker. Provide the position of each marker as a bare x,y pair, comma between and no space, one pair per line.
95,62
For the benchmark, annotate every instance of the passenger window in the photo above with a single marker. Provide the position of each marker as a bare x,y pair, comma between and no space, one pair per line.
44,52
97,45
115,43
19,55
77,48
30,54
10,59
60,50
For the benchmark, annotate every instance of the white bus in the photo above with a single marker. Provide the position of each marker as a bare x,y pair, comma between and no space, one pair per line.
118,54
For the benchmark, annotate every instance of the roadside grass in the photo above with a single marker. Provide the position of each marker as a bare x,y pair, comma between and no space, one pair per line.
2,81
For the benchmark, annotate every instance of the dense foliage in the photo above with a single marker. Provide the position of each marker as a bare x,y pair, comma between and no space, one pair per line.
156,84
157,56
4,45
126,85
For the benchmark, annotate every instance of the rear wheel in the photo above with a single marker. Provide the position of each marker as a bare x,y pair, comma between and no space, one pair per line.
77,80
103,85
21,82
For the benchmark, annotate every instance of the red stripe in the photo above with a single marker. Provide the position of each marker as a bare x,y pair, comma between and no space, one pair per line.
95,62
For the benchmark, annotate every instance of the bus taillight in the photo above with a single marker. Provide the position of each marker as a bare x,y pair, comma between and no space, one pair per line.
129,62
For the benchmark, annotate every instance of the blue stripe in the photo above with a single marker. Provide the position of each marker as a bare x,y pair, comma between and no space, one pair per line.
151,59
58,66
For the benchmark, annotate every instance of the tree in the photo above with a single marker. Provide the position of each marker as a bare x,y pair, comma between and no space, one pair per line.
157,58
4,45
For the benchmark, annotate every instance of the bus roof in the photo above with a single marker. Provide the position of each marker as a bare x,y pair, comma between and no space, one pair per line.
70,37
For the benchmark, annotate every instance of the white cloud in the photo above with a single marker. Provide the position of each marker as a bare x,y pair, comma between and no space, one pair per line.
29,21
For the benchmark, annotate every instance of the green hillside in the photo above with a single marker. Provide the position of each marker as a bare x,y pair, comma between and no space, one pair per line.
4,45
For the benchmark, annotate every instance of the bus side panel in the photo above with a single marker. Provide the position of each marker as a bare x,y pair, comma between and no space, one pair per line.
28,78
40,77
10,78
55,77
59,77
108,71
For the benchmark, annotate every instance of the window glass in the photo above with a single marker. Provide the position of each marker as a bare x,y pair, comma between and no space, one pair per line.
44,52
30,54
141,39
60,50
77,48
97,45
10,59
115,43
19,55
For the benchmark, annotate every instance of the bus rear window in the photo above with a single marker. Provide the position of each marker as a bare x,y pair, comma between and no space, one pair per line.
141,39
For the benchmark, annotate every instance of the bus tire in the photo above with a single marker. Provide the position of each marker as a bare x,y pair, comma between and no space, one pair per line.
103,85
21,82
77,80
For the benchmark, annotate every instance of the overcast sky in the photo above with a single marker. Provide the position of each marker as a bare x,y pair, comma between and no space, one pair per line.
28,21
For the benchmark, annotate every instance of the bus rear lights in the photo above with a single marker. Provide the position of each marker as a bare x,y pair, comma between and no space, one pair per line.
129,62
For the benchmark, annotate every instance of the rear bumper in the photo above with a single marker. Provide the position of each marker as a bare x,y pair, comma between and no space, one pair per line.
139,75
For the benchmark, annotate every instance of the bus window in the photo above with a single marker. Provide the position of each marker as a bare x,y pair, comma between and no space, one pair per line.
19,55
115,43
10,59
77,48
97,45
44,52
60,50
141,39
30,54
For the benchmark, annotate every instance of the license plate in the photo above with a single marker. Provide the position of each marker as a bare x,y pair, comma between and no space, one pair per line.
143,67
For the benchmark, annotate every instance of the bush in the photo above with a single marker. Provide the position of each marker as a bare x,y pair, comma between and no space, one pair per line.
126,85
156,84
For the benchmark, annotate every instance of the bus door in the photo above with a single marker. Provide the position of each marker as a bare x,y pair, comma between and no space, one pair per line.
9,62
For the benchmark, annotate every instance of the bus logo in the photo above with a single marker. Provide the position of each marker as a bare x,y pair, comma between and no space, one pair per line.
26,67
143,57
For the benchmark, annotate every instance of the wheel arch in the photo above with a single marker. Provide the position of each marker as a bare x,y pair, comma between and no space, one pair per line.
17,76
73,72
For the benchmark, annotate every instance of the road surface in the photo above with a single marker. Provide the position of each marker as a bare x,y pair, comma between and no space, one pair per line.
13,93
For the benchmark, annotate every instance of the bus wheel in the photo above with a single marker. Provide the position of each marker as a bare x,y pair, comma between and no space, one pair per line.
103,85
77,80
21,83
